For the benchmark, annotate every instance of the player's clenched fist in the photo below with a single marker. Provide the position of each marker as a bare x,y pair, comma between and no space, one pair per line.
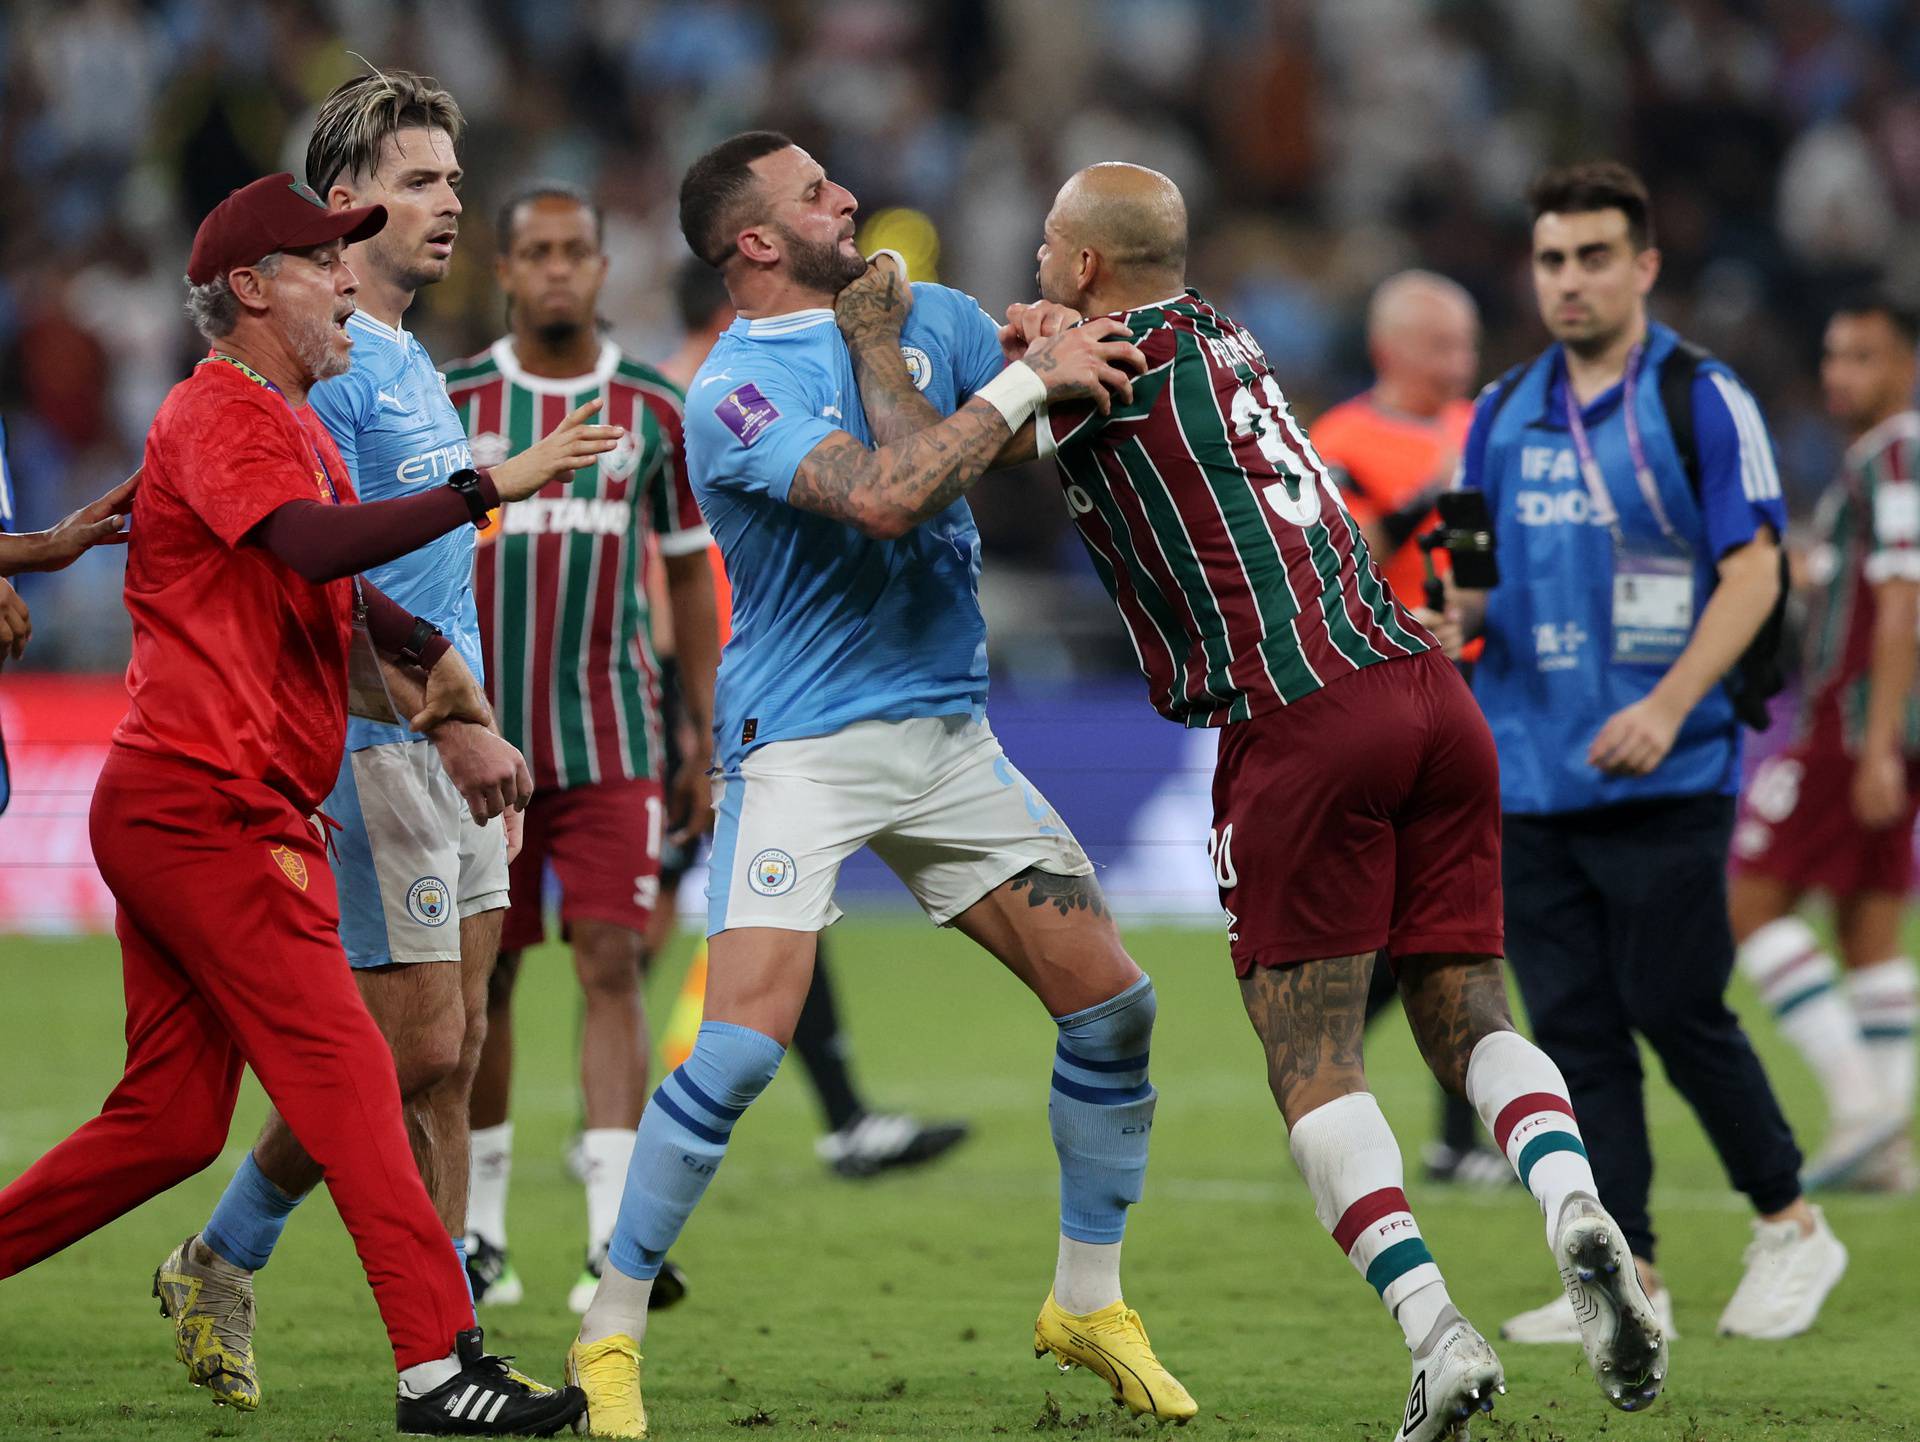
489,772
1029,322
877,301
567,447
1092,362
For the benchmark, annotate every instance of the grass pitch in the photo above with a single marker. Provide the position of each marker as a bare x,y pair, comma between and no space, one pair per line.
903,1307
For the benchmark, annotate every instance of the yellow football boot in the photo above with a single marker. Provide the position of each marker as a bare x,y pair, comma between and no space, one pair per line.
1112,1344
211,1308
608,1371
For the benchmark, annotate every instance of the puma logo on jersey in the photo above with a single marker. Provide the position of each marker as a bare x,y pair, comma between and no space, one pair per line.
393,402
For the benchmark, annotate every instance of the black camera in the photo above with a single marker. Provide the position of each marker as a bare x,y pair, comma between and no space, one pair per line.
1465,533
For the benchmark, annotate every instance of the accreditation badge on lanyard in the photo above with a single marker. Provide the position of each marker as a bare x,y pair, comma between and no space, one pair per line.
1653,582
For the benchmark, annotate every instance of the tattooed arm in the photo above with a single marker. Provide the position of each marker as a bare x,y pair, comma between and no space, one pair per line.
870,313
886,493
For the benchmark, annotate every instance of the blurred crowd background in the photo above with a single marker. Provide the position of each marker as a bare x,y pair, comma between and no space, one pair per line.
1321,144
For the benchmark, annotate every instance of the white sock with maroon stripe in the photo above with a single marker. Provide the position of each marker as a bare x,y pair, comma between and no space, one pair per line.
1521,1096
1347,1154
1886,1000
1796,979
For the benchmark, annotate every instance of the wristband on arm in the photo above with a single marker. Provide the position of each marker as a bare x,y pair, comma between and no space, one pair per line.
409,639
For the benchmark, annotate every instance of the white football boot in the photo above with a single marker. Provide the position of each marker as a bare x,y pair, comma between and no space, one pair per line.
1455,1377
1619,1330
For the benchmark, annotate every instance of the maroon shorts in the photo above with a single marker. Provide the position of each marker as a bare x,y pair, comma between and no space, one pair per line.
1797,826
603,842
1365,815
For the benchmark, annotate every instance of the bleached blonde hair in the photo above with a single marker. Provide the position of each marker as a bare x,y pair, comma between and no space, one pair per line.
356,119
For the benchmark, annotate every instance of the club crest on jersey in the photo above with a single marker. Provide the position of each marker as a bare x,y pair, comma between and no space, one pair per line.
772,872
747,413
625,455
427,901
489,448
919,366
292,865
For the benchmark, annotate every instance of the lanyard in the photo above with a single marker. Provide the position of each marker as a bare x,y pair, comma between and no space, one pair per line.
326,471
1604,511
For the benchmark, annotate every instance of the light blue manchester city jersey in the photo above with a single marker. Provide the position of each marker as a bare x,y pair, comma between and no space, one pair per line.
399,434
831,627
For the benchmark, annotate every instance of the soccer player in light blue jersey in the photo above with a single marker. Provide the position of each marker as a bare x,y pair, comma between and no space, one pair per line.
422,879
851,711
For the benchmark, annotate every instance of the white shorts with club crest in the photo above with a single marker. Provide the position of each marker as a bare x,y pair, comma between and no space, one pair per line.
935,797
408,858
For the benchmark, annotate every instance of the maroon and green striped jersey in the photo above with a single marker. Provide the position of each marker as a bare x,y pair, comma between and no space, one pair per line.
1867,530
1242,578
560,579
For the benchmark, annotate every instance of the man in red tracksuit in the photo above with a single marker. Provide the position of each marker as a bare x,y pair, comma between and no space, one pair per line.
240,582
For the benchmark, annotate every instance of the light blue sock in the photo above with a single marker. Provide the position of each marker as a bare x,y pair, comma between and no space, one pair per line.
249,1217
460,1251
1101,1111
683,1135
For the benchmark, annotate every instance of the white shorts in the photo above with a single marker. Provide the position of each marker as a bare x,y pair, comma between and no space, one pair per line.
935,797
408,860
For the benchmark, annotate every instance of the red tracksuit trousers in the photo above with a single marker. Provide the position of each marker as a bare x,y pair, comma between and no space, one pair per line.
229,941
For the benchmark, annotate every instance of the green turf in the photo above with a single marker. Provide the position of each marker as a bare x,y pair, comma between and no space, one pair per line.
903,1307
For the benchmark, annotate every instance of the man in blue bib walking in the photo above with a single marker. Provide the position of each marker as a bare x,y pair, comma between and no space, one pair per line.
1637,516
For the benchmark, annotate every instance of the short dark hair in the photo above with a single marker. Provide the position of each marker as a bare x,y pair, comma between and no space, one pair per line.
509,210
714,187
698,291
1905,319
1595,185
356,119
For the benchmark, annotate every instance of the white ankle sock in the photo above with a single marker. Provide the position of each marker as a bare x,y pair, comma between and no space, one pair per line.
423,1377
1087,1276
1420,1311
1795,978
606,1152
619,1306
489,1165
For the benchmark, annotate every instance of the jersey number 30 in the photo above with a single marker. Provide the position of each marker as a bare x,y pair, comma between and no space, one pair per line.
1266,423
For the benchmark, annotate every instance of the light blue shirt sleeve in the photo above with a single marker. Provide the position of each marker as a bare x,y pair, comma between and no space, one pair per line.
757,433
976,346
1739,482
343,404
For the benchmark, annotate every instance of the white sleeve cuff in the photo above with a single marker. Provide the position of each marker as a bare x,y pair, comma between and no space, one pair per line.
685,543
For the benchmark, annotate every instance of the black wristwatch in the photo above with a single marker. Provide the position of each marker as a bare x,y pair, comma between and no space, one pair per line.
414,648
466,485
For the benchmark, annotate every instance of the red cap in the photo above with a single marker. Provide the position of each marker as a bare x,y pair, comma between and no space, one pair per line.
272,214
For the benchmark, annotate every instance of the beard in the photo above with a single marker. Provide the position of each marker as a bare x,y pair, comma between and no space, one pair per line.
405,268
312,341
820,267
558,333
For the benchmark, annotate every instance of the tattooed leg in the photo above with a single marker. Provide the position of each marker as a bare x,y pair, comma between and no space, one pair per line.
1055,934
1452,1003
1311,1019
